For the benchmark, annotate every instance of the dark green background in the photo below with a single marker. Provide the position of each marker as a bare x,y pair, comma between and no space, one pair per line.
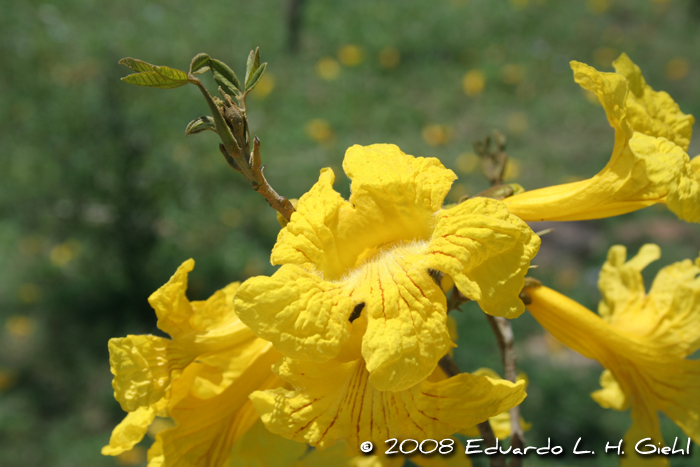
102,196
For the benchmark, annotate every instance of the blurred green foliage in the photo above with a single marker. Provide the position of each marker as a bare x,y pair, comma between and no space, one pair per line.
102,197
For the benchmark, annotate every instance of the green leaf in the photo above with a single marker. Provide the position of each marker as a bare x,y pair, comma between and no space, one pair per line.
255,77
200,64
200,124
136,64
172,73
154,76
153,79
225,77
252,65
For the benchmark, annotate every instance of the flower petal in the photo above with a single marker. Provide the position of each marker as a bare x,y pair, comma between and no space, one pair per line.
394,197
303,315
610,89
611,396
652,113
141,370
335,401
486,251
622,286
130,431
171,305
666,316
695,166
407,319
207,428
384,179
310,237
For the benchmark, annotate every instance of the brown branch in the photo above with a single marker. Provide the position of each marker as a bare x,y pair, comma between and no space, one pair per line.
450,368
506,343
259,183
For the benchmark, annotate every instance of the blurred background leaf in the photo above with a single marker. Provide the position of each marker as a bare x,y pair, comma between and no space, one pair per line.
102,196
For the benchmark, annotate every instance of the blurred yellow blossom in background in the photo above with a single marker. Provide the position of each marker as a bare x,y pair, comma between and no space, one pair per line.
265,86
436,135
598,6
20,326
517,123
467,162
519,4
64,253
512,170
328,68
7,379
677,68
351,55
389,57
474,82
512,73
319,130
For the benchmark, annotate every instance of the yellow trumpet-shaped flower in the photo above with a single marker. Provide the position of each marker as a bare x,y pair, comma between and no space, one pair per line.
648,165
201,378
372,256
336,400
641,339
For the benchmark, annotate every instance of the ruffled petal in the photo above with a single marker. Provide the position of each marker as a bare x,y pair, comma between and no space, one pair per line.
669,176
130,431
610,89
622,285
207,429
141,370
171,304
675,294
335,401
695,167
650,112
611,396
303,315
310,239
308,318
215,317
666,316
217,370
392,186
486,251
394,197
406,312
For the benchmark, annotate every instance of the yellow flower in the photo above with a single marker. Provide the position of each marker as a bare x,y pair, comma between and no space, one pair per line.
200,378
500,423
641,339
336,400
648,165
260,448
371,256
